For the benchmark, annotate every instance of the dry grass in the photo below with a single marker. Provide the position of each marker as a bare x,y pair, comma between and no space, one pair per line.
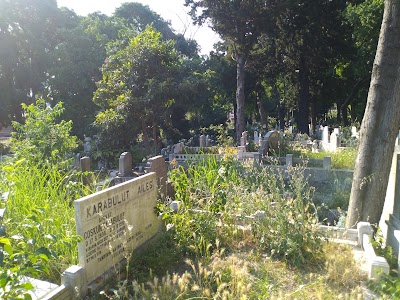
245,273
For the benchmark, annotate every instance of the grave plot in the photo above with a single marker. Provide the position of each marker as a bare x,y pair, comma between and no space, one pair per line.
113,223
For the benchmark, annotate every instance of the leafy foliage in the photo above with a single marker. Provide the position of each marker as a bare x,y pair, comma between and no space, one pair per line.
40,138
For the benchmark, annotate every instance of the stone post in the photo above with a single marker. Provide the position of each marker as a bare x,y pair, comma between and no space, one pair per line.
74,277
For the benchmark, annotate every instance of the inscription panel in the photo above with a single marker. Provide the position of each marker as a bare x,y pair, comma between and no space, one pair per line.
114,222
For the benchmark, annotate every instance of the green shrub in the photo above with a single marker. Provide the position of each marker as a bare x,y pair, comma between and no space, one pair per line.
41,138
16,264
288,229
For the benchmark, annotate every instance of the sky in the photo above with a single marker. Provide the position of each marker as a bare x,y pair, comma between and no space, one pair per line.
170,10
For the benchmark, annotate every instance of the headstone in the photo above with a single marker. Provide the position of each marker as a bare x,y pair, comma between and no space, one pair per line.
78,160
178,148
87,144
334,144
202,141
353,131
125,165
158,165
242,142
314,146
256,138
326,163
336,130
270,143
208,141
325,135
114,222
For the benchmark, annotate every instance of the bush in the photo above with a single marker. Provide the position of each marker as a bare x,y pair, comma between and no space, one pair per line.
41,138
223,190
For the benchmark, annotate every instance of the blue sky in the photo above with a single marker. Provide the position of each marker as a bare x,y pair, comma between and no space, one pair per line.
172,10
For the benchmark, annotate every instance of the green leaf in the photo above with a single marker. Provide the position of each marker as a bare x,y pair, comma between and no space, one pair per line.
8,249
4,241
44,251
26,286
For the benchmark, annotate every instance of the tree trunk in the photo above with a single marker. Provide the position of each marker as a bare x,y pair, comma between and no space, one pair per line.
380,124
261,108
313,116
303,103
345,116
339,112
240,126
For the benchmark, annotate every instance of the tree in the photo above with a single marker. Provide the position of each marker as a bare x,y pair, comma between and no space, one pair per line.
238,22
310,40
27,35
75,69
140,85
380,124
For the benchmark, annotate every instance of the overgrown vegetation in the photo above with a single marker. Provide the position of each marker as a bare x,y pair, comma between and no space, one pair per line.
38,185
217,252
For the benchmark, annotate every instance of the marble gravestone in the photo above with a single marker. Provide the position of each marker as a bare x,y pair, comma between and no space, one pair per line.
113,222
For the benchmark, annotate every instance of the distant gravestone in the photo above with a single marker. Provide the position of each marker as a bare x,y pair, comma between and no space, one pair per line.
335,142
325,135
114,222
208,141
87,144
202,141
178,148
270,143
125,165
157,165
256,138
354,133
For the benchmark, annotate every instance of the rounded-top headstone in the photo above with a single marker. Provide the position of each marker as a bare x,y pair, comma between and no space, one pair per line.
270,142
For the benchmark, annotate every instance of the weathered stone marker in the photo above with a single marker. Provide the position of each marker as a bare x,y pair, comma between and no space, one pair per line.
114,222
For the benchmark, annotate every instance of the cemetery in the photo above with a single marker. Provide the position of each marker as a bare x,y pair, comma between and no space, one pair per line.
226,197
136,165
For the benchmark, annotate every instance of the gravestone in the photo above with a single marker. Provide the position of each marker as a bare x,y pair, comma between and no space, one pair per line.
335,141
178,148
325,135
270,143
158,165
87,144
114,222
354,133
314,146
256,138
208,141
125,165
202,141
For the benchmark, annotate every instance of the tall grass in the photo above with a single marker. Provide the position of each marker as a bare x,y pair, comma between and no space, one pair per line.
39,210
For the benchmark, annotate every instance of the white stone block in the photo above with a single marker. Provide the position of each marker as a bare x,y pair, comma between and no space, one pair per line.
377,267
